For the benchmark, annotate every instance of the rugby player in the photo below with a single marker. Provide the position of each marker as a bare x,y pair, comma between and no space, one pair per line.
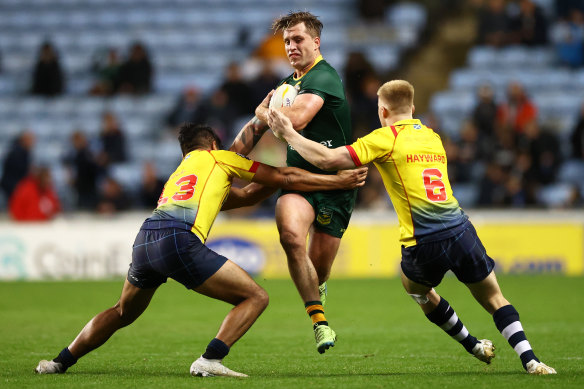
436,235
171,243
322,113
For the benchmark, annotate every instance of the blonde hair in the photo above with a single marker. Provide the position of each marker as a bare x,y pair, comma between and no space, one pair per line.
398,94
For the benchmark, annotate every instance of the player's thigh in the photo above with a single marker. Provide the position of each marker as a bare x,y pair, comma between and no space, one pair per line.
134,300
294,215
413,287
230,284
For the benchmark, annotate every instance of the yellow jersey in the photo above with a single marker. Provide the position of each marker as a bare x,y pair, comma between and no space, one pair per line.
412,163
196,191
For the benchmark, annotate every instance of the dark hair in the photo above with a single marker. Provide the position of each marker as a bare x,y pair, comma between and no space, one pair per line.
313,25
196,136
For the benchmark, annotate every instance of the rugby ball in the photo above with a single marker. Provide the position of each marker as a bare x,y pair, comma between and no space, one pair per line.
283,96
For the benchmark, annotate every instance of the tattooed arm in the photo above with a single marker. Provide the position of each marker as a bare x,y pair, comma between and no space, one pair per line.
249,136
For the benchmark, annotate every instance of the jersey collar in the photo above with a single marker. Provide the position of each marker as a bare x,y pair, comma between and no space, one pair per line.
407,121
317,60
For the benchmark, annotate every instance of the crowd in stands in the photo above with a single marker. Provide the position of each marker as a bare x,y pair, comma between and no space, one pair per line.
502,147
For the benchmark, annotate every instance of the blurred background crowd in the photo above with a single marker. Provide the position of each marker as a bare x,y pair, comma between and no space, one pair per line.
91,92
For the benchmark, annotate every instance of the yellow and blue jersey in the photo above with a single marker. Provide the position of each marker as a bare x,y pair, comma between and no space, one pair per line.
412,163
196,191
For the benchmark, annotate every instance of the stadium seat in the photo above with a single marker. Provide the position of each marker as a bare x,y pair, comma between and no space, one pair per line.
556,195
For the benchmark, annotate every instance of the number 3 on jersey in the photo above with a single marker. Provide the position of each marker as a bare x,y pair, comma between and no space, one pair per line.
435,189
185,191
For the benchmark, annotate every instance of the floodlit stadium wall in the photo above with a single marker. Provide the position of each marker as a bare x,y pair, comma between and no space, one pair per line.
89,247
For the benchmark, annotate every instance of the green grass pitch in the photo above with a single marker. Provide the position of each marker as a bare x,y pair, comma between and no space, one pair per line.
384,341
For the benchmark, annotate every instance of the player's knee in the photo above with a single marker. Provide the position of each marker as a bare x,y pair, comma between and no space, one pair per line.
262,298
425,298
291,241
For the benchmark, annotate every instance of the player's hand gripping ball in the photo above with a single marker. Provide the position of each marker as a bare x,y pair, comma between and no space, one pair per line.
283,96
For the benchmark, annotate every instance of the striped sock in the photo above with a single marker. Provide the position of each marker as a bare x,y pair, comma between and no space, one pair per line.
507,321
445,317
316,313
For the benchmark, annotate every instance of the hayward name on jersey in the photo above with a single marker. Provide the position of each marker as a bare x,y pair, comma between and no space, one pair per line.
331,126
412,163
195,192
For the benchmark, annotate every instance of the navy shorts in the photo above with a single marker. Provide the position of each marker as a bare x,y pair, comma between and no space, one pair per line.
171,252
462,253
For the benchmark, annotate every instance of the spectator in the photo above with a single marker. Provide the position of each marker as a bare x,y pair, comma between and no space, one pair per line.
185,108
238,92
544,149
492,191
113,141
577,138
493,24
152,186
112,197
517,111
568,38
85,172
372,10
216,112
17,162
364,107
357,69
264,82
47,77
136,72
485,112
108,74
34,198
529,26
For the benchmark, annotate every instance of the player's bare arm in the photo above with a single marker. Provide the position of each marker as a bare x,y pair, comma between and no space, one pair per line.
292,178
248,195
249,136
301,112
315,153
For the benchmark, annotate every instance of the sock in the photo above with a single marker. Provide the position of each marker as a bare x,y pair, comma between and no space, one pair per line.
66,359
445,317
216,349
316,313
507,321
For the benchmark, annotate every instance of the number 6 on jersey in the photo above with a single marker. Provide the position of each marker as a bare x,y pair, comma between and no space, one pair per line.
435,189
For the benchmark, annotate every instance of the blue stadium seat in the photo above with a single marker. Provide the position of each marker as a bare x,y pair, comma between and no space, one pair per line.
571,171
555,195
466,194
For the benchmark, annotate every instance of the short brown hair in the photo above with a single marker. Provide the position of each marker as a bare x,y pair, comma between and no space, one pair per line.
313,25
399,94
193,136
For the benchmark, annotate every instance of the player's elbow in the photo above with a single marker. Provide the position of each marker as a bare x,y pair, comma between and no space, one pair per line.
327,163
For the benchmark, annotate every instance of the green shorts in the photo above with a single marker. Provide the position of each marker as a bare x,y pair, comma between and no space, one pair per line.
332,208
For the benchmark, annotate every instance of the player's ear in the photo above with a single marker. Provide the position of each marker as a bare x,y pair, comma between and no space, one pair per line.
413,109
317,42
214,146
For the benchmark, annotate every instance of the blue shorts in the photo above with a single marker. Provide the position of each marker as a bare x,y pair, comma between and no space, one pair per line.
161,251
462,253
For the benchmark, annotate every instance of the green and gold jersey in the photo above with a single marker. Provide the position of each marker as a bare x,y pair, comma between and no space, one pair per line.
412,163
331,126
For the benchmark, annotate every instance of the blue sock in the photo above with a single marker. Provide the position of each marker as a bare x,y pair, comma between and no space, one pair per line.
507,321
66,359
445,317
216,350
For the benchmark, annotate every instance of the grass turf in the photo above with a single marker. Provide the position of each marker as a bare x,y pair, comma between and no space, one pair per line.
384,340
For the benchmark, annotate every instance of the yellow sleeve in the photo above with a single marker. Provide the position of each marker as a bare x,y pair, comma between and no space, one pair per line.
376,146
236,165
